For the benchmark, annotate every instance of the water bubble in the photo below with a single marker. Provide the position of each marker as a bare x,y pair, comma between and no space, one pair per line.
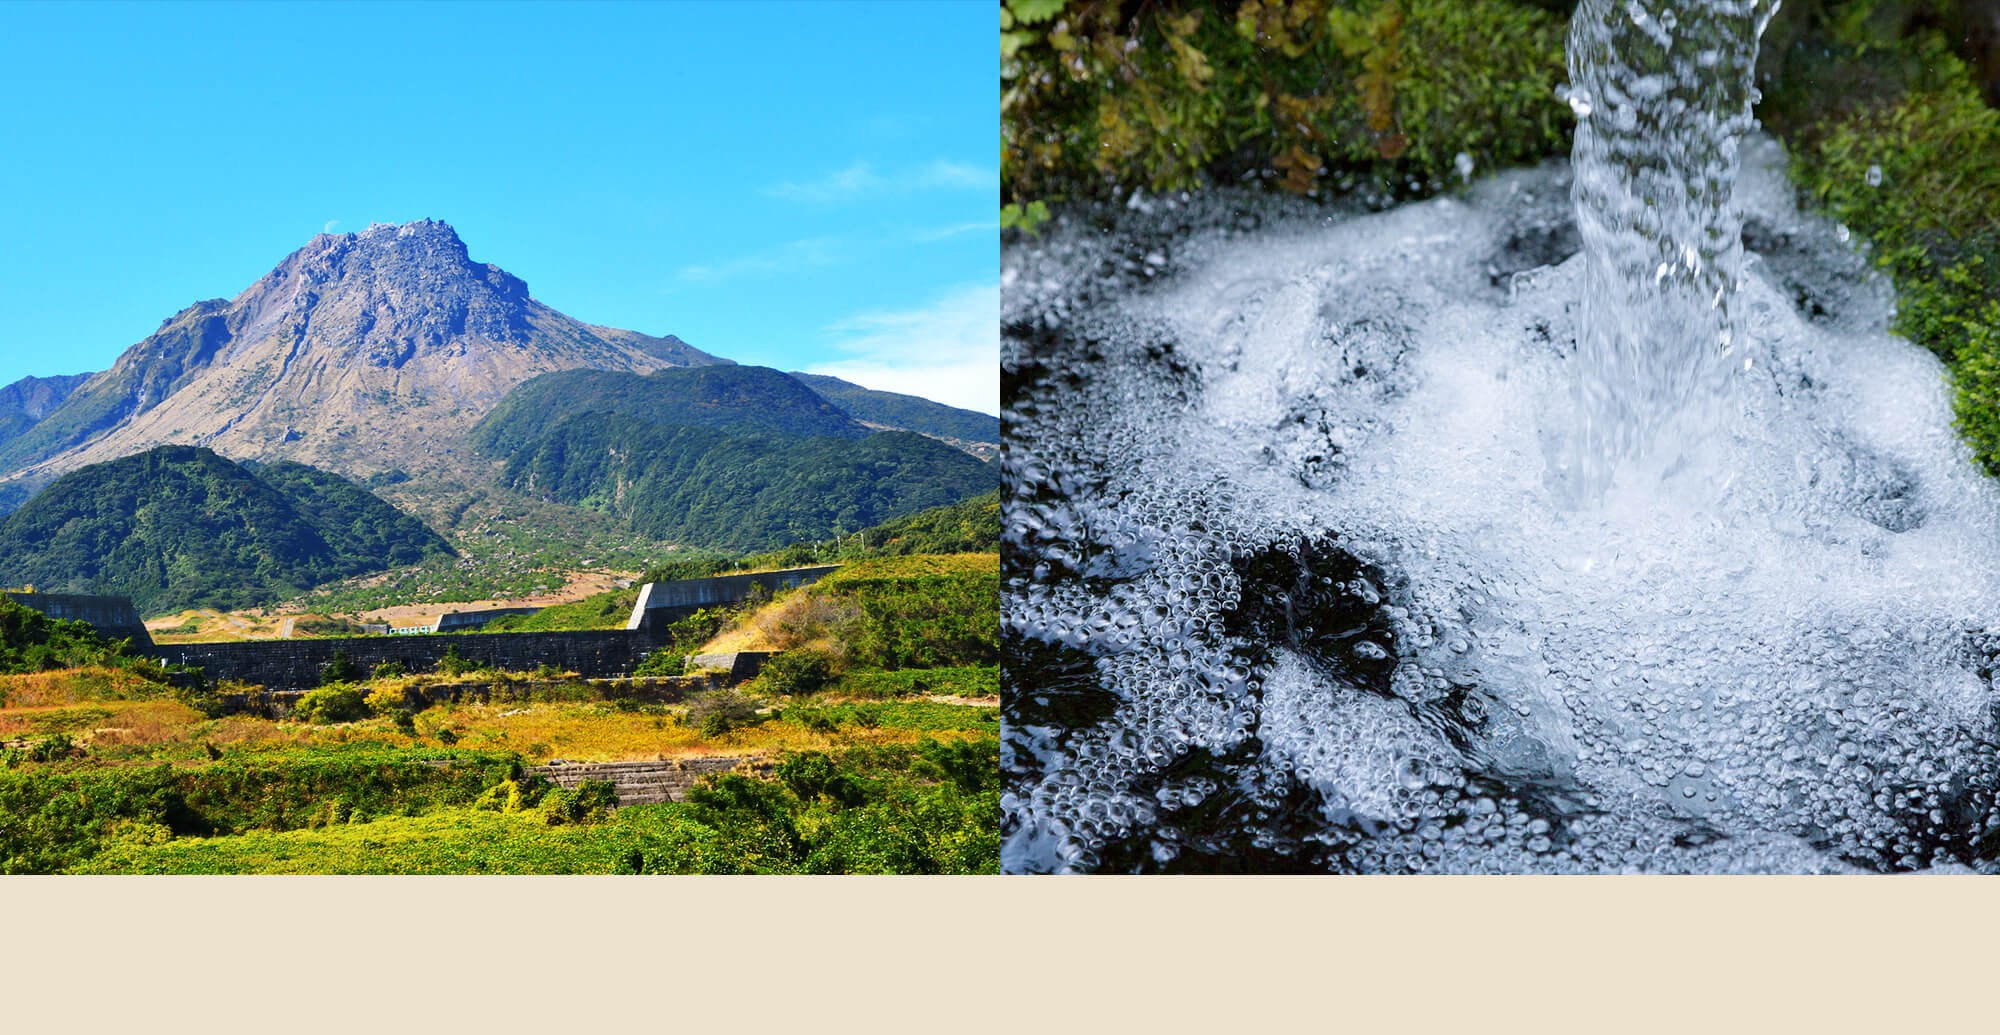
1874,176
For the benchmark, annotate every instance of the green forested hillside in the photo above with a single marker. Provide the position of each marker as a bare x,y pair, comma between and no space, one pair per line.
24,403
706,487
904,411
179,526
755,399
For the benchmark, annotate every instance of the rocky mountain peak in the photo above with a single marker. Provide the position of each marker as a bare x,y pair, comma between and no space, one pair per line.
359,352
387,294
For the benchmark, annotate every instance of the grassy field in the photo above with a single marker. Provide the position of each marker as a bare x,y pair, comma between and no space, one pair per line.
871,763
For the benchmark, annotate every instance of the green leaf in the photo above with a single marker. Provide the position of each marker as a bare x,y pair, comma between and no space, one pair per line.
1031,12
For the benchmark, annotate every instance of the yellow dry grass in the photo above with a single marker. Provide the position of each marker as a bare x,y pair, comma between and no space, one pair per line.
105,723
800,619
71,686
808,616
595,733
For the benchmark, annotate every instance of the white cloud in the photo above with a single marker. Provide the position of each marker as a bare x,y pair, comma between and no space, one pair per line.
784,258
861,180
943,173
948,352
939,233
851,182
330,224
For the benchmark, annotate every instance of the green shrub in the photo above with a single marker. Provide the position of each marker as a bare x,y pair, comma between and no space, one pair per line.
339,669
717,712
31,641
795,673
388,701
813,775
665,662
588,802
390,670
56,747
340,702
455,664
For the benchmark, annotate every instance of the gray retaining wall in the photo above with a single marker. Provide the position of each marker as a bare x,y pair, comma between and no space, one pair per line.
114,617
662,602
643,783
296,664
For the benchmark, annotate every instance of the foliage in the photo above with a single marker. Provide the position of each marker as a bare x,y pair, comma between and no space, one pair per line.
739,398
335,702
719,712
813,775
31,641
909,412
958,680
1932,214
339,669
53,748
972,526
1377,93
178,527
921,612
51,820
908,715
665,662
740,490
386,700
601,611
510,546
795,672
589,802
452,663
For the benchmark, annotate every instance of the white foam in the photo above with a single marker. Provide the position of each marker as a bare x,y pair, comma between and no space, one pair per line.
1765,658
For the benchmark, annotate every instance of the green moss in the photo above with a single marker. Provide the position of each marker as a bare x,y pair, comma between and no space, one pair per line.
1383,94
1932,219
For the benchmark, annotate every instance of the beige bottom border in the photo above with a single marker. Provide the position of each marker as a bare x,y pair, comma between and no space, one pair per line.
1612,954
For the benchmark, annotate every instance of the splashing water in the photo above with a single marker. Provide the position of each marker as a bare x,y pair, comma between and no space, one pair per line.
1289,584
1662,92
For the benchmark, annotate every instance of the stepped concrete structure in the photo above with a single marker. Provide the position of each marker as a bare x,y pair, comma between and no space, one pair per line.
642,783
114,618
663,602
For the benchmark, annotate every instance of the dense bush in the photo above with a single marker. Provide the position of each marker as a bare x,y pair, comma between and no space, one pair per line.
1382,94
339,669
54,820
31,641
336,702
666,662
452,663
795,672
920,614
717,712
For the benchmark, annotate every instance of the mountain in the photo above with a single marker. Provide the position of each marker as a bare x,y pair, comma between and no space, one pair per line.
907,412
755,399
360,353
737,489
180,526
24,403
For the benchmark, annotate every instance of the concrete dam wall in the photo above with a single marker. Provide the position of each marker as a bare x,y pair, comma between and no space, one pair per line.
296,664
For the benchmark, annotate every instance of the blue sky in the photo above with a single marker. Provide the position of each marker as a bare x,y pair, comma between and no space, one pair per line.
802,185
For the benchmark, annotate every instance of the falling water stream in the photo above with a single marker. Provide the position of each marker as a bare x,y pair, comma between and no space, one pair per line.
1588,520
